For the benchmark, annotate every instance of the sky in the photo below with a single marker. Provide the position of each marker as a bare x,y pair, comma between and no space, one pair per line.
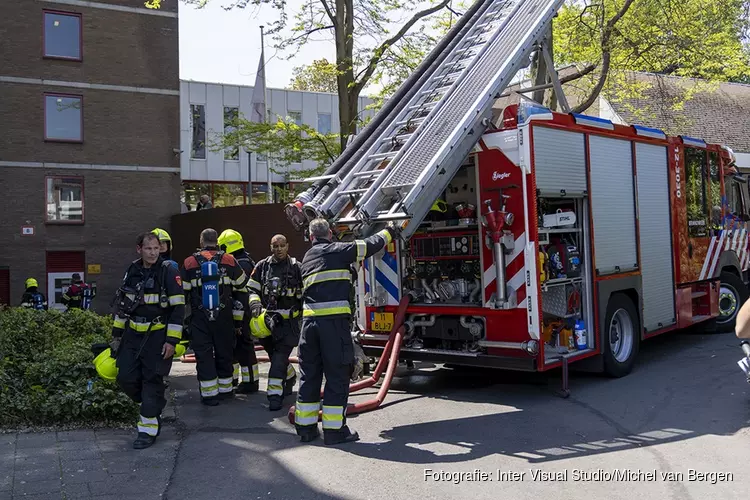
224,46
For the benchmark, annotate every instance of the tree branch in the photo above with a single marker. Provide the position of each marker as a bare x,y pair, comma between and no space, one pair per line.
325,146
378,53
328,11
310,32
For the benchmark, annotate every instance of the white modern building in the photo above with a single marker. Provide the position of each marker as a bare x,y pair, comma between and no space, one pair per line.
224,176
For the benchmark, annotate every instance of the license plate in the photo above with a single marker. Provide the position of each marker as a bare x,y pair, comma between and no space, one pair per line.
381,322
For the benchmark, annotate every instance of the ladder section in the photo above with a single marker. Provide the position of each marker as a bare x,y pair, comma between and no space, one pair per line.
417,112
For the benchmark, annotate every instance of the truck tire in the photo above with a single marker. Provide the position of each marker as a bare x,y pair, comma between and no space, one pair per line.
621,336
732,294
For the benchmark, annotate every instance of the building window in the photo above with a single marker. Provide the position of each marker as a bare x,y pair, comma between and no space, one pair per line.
297,117
64,199
192,193
230,126
697,204
63,118
62,35
228,195
198,125
324,123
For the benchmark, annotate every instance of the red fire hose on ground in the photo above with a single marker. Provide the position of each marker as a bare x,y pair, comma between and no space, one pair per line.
390,356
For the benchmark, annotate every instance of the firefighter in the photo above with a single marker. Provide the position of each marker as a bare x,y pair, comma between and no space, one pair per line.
165,243
215,284
78,295
245,360
32,298
148,310
326,347
275,287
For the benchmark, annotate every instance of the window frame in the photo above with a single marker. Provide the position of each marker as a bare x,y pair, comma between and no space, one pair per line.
705,176
83,201
192,133
237,146
330,123
80,35
44,108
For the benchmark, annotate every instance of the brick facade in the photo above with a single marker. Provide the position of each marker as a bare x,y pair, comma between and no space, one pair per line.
120,128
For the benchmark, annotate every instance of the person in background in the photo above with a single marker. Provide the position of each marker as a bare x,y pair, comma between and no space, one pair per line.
78,295
205,203
32,298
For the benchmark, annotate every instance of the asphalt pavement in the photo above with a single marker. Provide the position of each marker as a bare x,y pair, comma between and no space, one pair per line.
677,427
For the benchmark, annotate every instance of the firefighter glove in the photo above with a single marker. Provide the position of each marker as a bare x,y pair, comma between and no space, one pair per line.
394,228
255,309
114,346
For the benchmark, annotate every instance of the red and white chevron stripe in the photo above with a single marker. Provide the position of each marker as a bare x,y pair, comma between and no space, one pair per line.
735,240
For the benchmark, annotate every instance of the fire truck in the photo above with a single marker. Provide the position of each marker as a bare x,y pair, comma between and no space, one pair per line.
536,239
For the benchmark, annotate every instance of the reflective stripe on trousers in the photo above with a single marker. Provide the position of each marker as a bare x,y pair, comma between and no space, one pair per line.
333,417
209,388
147,425
290,372
236,371
275,387
225,385
306,413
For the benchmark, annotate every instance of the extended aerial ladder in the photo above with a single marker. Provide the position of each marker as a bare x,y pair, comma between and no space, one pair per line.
414,146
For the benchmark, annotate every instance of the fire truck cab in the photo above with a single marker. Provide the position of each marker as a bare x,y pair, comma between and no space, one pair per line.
565,237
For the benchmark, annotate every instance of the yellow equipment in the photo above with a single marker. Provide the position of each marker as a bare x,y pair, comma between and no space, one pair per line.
258,326
180,349
232,240
439,206
106,365
31,282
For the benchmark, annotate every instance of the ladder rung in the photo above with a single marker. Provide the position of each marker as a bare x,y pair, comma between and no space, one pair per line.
368,173
392,216
438,90
319,178
354,191
413,121
422,105
383,156
398,137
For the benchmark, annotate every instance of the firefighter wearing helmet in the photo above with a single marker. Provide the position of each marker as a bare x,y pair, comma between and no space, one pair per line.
275,288
245,374
165,243
32,298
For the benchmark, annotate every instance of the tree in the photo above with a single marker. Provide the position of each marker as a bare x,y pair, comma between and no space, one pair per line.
320,76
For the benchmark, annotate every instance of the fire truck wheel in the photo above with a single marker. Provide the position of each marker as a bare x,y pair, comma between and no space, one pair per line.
621,339
732,294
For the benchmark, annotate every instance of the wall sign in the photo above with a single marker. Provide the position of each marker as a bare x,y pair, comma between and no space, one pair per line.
27,230
94,268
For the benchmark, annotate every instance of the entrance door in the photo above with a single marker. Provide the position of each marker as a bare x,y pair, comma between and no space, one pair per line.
60,269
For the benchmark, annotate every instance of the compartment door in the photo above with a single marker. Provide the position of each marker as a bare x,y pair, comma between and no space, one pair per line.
655,236
613,205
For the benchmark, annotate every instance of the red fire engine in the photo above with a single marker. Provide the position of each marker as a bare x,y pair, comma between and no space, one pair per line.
600,236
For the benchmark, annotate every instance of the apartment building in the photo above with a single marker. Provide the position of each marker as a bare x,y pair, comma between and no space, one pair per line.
235,176
89,155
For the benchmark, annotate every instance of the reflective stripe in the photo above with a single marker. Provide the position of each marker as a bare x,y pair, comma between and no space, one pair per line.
275,387
245,374
386,235
225,385
326,276
240,279
290,372
306,413
119,322
174,331
236,371
254,298
326,308
143,327
256,375
186,285
333,417
253,285
285,313
151,298
195,282
209,388
361,250
238,314
176,300
147,425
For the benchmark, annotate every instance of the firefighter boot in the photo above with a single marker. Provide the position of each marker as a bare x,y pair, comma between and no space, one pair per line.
309,435
289,385
275,403
343,435
248,387
143,441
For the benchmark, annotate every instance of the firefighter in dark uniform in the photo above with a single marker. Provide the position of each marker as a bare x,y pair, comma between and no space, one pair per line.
217,310
78,295
276,287
245,374
148,311
326,347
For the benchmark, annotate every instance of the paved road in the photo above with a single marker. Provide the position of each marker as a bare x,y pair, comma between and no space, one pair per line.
685,407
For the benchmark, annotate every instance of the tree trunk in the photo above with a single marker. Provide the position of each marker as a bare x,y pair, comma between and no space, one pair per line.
345,66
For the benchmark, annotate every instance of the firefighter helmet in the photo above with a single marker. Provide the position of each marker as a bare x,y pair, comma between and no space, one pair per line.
232,240
31,282
259,326
106,365
180,349
162,235
439,206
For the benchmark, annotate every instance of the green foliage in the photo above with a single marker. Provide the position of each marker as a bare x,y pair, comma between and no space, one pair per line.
320,76
46,367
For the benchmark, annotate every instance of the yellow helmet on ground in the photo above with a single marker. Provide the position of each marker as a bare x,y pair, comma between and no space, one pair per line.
106,365
162,235
180,349
232,240
259,327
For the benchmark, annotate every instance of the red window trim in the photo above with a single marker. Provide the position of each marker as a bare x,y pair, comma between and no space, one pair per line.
80,34
44,107
83,201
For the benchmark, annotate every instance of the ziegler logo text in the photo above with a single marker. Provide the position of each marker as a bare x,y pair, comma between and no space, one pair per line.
496,176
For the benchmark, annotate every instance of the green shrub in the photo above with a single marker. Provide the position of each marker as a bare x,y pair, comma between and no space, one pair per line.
47,376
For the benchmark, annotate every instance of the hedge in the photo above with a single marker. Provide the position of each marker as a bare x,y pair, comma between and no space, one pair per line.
47,376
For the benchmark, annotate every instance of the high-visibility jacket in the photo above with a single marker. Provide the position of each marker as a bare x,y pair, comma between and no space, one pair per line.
160,302
327,277
288,272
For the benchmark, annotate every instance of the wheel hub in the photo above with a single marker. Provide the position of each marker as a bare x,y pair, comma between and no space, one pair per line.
727,302
621,335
